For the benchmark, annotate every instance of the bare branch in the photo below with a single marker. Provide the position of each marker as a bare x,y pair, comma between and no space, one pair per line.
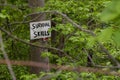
67,18
89,57
63,67
6,58
24,20
93,34
25,42
109,67
108,53
21,40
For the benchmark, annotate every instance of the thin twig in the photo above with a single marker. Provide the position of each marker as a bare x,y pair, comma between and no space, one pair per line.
6,58
89,57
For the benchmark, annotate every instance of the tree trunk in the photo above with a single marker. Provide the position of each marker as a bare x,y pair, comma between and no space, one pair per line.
35,52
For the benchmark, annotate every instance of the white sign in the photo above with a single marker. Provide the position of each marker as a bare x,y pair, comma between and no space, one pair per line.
40,29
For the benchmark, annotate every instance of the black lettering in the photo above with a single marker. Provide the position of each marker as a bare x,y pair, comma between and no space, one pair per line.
46,24
39,33
42,25
48,33
45,33
42,33
33,25
38,25
35,33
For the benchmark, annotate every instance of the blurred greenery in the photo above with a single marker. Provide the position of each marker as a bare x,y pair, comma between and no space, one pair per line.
99,16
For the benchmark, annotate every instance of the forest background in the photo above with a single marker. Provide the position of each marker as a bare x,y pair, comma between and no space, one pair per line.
84,45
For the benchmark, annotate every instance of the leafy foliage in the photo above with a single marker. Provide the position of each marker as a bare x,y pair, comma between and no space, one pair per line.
105,35
111,14
87,13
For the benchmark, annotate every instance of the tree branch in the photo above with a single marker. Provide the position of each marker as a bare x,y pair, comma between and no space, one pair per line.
108,53
62,67
6,58
21,40
25,42
67,18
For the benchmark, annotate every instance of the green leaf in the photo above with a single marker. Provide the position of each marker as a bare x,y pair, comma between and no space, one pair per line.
111,12
105,35
116,37
2,15
91,42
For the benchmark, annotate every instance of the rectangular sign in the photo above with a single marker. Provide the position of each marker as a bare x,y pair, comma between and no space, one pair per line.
40,29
